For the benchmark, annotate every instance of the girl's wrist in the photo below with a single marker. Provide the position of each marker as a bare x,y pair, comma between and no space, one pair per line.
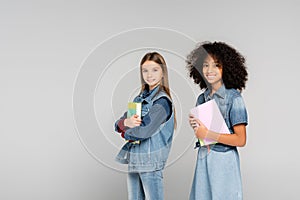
125,122
199,133
212,135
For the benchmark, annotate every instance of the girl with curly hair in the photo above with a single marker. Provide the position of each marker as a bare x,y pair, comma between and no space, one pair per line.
220,70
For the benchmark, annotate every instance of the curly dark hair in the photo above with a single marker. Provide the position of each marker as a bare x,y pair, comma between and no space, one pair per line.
234,73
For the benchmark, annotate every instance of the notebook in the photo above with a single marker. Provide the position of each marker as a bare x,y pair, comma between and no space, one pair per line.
209,114
134,108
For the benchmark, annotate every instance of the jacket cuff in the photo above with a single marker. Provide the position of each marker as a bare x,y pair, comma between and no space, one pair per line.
121,127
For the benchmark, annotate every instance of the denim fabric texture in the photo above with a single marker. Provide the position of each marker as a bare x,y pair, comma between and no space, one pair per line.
152,153
217,176
145,185
232,107
217,172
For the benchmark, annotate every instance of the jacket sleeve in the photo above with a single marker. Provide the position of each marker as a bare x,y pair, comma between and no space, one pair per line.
159,113
119,124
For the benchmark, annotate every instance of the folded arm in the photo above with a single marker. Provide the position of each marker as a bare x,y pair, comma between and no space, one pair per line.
159,113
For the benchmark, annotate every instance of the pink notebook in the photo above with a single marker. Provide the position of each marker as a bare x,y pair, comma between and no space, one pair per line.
209,114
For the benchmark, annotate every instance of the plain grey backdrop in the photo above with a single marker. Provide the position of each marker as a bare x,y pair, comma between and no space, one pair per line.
44,45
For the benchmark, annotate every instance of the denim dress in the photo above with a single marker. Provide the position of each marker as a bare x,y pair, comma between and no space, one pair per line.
217,174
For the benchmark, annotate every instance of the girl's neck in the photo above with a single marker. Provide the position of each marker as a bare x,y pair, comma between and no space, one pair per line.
214,88
153,87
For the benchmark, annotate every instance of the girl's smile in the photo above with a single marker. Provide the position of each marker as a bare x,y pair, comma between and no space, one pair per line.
152,73
210,77
212,72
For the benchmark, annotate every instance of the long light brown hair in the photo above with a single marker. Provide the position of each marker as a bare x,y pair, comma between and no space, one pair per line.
164,84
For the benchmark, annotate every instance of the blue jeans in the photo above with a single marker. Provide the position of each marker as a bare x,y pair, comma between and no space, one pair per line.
147,185
217,176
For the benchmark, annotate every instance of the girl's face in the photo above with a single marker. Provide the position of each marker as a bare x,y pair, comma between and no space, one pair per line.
212,72
152,73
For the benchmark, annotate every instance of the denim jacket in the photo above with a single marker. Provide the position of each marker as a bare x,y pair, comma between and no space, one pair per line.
232,107
152,153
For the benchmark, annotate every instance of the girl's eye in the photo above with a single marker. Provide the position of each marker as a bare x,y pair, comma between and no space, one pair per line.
144,71
205,65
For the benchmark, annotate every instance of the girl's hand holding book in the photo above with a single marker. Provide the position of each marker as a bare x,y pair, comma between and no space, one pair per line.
192,121
200,129
133,121
202,132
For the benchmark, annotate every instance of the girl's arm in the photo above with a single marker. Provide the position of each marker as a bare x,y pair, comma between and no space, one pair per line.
119,124
125,123
238,119
158,114
237,138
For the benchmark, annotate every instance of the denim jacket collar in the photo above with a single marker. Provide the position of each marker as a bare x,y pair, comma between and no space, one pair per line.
220,92
147,95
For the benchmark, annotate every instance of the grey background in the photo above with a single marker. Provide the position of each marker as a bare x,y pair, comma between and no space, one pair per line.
43,45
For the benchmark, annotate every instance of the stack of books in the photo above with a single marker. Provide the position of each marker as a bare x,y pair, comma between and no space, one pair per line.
134,108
